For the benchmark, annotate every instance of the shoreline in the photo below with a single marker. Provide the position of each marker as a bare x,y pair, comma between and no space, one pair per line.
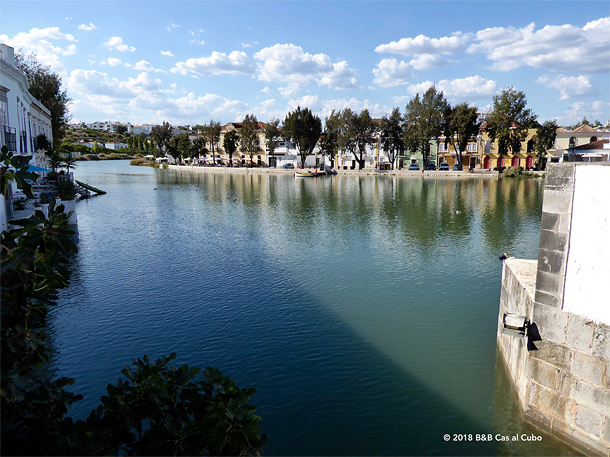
486,174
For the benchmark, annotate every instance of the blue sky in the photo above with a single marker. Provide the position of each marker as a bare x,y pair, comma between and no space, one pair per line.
194,61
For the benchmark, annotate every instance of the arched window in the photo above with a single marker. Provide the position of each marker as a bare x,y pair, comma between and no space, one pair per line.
592,139
530,146
572,141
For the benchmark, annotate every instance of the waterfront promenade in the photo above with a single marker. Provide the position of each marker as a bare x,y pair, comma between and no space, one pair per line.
488,174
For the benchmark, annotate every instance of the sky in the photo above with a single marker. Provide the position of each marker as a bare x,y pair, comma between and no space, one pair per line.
194,61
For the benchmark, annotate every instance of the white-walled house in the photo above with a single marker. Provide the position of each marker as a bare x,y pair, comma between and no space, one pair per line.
23,118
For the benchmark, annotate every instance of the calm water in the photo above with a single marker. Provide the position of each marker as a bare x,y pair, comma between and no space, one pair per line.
363,309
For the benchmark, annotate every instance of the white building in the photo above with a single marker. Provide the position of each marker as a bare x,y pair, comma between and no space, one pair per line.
23,118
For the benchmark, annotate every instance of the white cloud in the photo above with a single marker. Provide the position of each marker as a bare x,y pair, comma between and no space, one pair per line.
113,61
218,63
592,111
568,86
290,65
392,73
197,42
266,90
342,77
555,48
173,26
117,43
289,91
41,43
86,27
287,63
472,87
167,53
144,65
428,62
423,45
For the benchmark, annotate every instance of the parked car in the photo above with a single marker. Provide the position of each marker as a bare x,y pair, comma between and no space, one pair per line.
414,166
443,166
456,167
288,165
431,166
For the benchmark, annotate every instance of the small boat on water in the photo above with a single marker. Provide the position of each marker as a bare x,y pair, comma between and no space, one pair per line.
326,171
308,174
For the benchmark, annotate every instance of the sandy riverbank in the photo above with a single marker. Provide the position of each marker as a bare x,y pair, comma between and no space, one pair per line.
405,173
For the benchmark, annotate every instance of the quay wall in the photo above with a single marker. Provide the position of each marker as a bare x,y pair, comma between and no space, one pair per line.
560,370
365,172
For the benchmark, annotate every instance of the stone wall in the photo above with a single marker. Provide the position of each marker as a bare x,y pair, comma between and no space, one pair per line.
561,370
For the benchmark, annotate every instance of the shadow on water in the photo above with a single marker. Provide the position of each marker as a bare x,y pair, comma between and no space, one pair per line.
237,272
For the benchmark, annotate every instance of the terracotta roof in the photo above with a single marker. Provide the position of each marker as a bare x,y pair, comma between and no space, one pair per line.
599,144
585,129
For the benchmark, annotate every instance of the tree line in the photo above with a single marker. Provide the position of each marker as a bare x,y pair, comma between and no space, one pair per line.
427,118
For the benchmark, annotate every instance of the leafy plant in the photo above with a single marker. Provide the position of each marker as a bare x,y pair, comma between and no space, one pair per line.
157,410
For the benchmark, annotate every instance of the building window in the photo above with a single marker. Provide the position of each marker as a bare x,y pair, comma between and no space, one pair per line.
472,147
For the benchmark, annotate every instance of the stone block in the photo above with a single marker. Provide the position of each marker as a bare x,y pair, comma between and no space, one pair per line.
560,170
580,333
550,221
551,403
594,398
557,201
543,373
566,381
538,417
553,241
549,282
547,299
589,420
562,183
551,322
601,344
565,222
590,368
552,261
606,430
553,353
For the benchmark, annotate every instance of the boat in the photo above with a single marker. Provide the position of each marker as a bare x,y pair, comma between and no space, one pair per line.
308,174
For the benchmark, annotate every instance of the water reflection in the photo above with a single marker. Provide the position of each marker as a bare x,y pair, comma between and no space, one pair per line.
362,308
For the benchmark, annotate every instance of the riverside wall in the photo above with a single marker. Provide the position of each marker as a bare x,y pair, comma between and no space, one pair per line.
560,370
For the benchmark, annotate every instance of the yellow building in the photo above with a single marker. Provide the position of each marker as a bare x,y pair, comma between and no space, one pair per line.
490,157
470,157
259,158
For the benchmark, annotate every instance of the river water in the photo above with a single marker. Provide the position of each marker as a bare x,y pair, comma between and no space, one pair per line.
362,308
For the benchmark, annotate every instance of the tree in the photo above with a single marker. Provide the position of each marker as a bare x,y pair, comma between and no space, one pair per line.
423,121
391,135
303,130
160,135
211,133
229,143
329,140
460,124
198,147
544,140
509,121
272,135
45,86
121,129
248,136
357,133
178,146
68,160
